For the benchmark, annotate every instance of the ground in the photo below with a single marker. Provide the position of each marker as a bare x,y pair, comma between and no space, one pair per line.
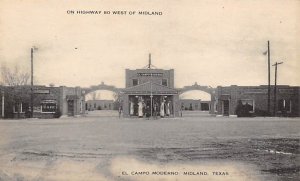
104,147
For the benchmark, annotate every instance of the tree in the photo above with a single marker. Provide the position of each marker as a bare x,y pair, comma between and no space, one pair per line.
117,101
117,97
13,77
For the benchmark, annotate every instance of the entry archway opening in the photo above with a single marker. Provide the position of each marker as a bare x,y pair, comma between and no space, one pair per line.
195,100
101,100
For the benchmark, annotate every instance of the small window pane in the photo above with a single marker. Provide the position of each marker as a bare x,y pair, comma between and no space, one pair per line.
134,82
164,82
49,106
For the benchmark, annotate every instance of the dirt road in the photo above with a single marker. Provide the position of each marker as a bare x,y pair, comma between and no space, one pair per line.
108,148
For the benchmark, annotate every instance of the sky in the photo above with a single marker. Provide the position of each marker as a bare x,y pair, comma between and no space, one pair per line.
209,42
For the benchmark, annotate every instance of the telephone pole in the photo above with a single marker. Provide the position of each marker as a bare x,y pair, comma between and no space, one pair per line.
275,86
31,95
269,80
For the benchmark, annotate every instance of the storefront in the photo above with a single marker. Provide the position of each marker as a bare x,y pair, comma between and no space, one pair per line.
253,101
46,102
150,99
150,92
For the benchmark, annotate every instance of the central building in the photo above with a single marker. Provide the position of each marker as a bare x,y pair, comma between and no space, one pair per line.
150,92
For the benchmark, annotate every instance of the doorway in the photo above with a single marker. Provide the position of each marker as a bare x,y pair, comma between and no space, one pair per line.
70,107
225,107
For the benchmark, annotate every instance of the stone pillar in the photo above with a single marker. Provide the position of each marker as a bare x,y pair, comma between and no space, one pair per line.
219,101
212,104
176,105
62,104
125,98
200,105
77,101
233,99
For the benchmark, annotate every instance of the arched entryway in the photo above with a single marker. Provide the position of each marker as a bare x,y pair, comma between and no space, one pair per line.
198,99
102,100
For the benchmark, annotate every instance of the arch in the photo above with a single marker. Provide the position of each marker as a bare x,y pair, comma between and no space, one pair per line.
100,104
101,86
101,95
196,95
207,89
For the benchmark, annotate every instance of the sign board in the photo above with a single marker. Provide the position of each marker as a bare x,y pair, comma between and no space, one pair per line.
256,91
41,91
286,91
150,74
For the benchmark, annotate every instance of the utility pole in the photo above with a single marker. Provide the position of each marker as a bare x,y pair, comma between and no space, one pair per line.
31,95
2,110
269,80
275,86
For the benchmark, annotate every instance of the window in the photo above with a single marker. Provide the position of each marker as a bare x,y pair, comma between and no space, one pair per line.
80,106
164,82
18,108
48,106
248,104
196,106
284,105
204,107
135,82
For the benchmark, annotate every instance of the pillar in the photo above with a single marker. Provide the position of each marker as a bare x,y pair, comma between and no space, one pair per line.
176,105
125,98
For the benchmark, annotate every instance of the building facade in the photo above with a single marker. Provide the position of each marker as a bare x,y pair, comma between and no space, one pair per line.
195,105
253,101
150,92
100,105
48,102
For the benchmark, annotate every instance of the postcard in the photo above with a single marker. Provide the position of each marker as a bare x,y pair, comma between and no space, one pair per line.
149,90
